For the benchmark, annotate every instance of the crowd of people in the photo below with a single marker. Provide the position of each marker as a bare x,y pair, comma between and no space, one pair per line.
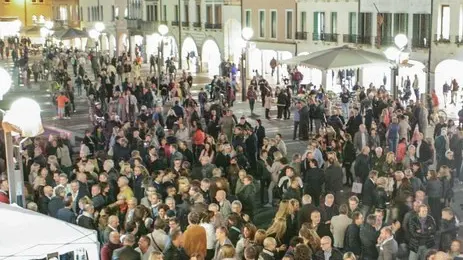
165,175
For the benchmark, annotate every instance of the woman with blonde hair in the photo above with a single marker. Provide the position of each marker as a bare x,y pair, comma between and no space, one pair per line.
349,256
310,237
283,209
278,231
277,166
381,193
389,165
183,185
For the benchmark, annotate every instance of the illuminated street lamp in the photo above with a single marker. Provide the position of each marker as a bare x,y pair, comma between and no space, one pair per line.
24,119
393,54
163,31
246,34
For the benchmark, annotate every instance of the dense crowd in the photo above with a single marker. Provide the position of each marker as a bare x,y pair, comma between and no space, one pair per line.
165,175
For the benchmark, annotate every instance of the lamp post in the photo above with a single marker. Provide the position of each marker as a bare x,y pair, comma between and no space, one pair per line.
393,54
163,30
24,119
246,34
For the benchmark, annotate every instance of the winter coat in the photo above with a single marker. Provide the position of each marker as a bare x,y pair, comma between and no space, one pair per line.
427,236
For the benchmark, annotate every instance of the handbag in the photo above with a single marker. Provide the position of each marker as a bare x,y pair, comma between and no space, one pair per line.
357,187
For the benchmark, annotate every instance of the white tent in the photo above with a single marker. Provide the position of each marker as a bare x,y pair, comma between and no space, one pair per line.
31,235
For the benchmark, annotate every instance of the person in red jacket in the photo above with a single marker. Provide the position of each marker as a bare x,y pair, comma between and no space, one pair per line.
113,244
4,190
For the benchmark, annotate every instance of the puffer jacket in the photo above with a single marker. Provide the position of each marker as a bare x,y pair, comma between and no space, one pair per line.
428,236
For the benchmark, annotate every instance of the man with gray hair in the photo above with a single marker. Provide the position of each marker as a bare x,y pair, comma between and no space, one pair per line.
113,176
56,203
127,251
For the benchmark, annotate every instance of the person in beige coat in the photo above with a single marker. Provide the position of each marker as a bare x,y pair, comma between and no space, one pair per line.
339,226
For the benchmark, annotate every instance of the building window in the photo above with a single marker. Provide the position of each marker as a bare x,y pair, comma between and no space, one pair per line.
289,24
400,24
155,13
352,23
218,14
81,14
421,23
63,13
113,13
334,22
186,12
444,27
101,11
198,13
248,18
209,14
364,27
273,24
318,25
176,13
88,14
261,23
164,13
303,21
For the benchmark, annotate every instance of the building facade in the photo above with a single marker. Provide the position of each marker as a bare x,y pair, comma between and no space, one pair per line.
114,40
66,13
274,26
200,33
30,13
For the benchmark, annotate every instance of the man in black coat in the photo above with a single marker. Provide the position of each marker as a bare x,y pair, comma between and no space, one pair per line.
45,199
368,239
86,219
127,251
247,196
98,200
303,121
174,251
56,203
251,149
66,214
369,194
422,228
306,209
362,164
352,241
333,178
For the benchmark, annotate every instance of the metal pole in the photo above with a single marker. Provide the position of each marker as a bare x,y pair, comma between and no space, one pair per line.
19,172
278,69
243,74
180,25
10,167
429,42
159,65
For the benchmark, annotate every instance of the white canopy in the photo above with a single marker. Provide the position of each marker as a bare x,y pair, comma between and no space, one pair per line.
30,235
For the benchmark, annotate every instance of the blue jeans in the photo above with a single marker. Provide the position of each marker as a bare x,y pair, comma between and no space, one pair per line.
345,109
392,145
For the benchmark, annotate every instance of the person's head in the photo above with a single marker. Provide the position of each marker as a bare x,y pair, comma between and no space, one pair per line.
156,255
251,253
123,182
326,243
302,252
349,256
144,243
358,218
420,196
221,233
220,195
237,206
343,209
176,237
455,246
329,199
270,244
227,251
249,231
194,218
353,203
315,217
114,238
447,213
385,233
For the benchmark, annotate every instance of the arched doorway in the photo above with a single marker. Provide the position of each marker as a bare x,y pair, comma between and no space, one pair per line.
112,45
170,49
152,44
211,57
123,43
409,69
190,54
232,49
446,71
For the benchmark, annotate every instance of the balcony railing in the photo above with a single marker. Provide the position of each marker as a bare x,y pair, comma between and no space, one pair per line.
331,37
364,39
301,35
133,23
175,23
349,38
163,22
185,24
197,25
213,26
441,39
421,43
326,37
384,41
